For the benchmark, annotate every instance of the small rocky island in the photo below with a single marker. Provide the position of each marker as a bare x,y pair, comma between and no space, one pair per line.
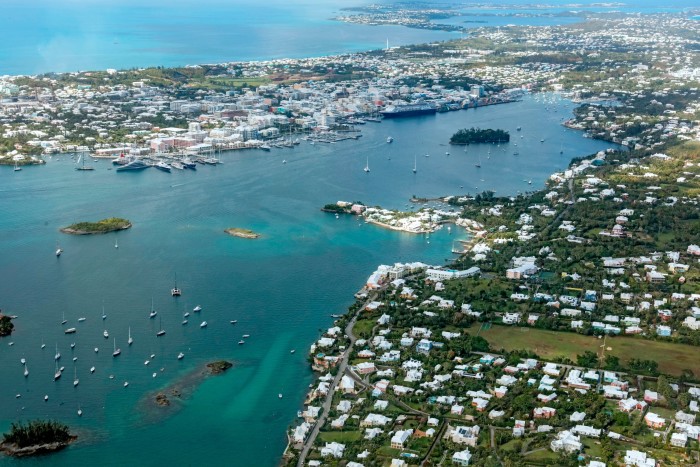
216,368
6,325
242,233
111,224
184,387
36,437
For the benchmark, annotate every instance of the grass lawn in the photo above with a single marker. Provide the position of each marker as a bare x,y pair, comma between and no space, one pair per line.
543,457
340,436
592,447
672,358
363,327
511,446
387,451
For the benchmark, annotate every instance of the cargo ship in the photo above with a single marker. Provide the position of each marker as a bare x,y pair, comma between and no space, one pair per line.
408,110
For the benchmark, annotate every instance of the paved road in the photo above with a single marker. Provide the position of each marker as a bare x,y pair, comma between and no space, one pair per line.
329,398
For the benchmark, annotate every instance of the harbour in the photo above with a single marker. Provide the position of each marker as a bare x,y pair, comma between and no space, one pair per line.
269,287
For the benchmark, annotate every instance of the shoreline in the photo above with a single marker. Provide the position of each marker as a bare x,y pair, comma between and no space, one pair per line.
69,231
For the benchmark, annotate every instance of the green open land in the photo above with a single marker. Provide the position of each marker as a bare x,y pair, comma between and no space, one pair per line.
340,436
672,358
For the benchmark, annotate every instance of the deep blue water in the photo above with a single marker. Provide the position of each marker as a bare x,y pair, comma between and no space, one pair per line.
70,35
281,288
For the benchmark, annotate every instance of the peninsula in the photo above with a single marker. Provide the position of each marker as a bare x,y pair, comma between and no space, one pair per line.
242,233
112,224
36,437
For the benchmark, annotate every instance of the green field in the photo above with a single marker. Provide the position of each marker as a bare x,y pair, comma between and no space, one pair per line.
672,358
340,436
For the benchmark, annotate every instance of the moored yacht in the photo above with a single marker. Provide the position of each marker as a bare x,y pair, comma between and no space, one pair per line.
160,165
136,164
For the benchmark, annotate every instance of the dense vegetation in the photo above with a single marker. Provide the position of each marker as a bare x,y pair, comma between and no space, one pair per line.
6,325
477,135
37,432
103,226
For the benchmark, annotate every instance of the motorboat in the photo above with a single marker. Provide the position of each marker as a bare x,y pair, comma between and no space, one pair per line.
197,308
180,356
134,165
203,324
70,331
160,165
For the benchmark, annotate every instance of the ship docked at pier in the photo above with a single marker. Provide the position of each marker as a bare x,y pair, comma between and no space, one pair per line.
408,110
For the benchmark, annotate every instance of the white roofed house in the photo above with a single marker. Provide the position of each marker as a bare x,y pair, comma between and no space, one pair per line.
462,457
566,441
468,435
333,449
398,441
347,385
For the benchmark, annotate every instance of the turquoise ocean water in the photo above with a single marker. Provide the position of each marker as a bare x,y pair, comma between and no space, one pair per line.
281,288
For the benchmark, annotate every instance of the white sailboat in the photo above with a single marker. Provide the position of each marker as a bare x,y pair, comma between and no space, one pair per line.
130,340
104,315
366,169
116,243
58,354
153,312
59,250
57,373
26,371
64,321
80,412
17,167
415,164
175,291
76,381
161,331
116,350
